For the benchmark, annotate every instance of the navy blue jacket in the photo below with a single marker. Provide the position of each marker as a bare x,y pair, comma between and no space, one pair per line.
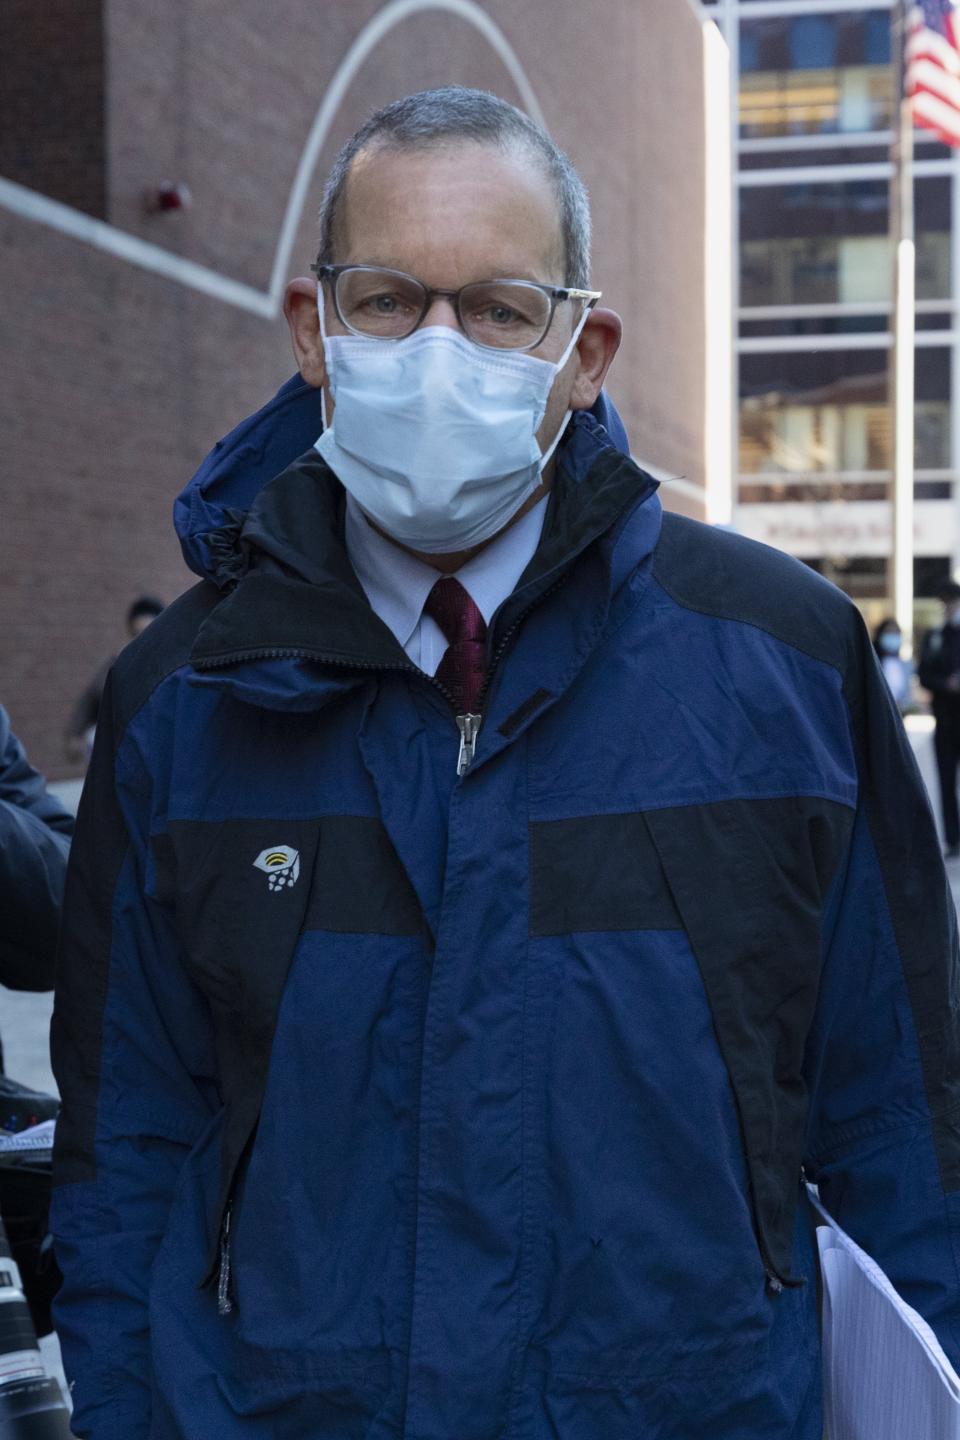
397,1103
35,832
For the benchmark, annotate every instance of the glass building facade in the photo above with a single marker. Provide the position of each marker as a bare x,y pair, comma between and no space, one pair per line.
816,99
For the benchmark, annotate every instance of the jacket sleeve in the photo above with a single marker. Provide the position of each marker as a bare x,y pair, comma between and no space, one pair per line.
132,1054
35,834
884,1052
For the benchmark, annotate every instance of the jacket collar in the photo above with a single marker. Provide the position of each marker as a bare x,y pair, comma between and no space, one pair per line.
210,511
298,600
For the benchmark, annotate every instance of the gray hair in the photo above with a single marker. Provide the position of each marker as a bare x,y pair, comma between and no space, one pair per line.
454,112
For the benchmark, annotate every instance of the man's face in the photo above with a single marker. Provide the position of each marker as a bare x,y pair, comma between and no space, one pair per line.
453,214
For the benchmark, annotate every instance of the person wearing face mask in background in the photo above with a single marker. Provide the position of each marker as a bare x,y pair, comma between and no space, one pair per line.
939,672
897,672
481,905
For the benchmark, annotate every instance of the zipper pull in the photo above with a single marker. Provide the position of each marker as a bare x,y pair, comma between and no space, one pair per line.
469,727
224,1301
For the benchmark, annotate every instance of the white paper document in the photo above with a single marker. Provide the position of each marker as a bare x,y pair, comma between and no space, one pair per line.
37,1137
885,1375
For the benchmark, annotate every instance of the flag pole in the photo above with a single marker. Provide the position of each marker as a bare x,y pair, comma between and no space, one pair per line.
901,376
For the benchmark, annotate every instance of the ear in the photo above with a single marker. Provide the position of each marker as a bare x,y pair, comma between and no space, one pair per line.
300,308
599,342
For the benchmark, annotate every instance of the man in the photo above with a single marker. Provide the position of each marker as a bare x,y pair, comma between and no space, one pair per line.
939,672
490,893
83,721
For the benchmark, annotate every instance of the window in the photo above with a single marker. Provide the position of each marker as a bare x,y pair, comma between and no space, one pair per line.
52,101
810,244
815,74
865,577
809,414
773,491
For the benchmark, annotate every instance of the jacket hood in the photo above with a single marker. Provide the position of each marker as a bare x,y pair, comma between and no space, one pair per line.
209,512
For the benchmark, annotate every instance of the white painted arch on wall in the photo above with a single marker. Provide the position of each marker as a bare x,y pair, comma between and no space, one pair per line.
32,205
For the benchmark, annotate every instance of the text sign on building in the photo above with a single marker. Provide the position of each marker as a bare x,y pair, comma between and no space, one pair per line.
838,527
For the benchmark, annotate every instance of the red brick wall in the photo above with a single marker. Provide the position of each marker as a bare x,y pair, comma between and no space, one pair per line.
115,381
52,99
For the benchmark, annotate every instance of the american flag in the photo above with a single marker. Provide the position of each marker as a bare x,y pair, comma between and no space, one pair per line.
933,66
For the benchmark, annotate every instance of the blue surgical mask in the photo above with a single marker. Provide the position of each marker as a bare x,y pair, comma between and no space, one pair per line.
890,642
434,436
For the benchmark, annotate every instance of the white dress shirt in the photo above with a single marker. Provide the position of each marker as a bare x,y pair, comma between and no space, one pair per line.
397,584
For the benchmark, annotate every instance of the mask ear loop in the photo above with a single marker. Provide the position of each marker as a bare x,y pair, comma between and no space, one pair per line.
559,366
574,337
556,440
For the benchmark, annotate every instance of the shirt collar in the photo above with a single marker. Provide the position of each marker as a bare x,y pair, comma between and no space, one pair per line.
397,584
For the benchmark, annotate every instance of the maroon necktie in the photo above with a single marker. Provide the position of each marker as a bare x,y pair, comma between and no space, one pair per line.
463,668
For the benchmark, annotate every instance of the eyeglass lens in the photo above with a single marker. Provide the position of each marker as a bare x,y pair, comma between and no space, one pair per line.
503,315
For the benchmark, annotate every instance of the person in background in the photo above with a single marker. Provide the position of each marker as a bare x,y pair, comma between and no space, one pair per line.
898,673
940,674
83,720
35,832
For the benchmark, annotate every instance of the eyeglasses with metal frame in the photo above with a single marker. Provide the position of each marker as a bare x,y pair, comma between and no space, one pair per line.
373,301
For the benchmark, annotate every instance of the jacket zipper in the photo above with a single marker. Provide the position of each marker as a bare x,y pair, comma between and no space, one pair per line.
468,725
775,1282
223,1270
224,1298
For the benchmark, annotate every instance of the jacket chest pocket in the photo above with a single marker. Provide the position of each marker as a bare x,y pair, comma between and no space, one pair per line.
240,892
243,891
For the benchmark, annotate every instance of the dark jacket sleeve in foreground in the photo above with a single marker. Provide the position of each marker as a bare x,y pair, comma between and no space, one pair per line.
884,1053
133,1058
35,834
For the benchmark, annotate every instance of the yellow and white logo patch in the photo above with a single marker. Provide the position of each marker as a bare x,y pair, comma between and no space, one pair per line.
281,863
